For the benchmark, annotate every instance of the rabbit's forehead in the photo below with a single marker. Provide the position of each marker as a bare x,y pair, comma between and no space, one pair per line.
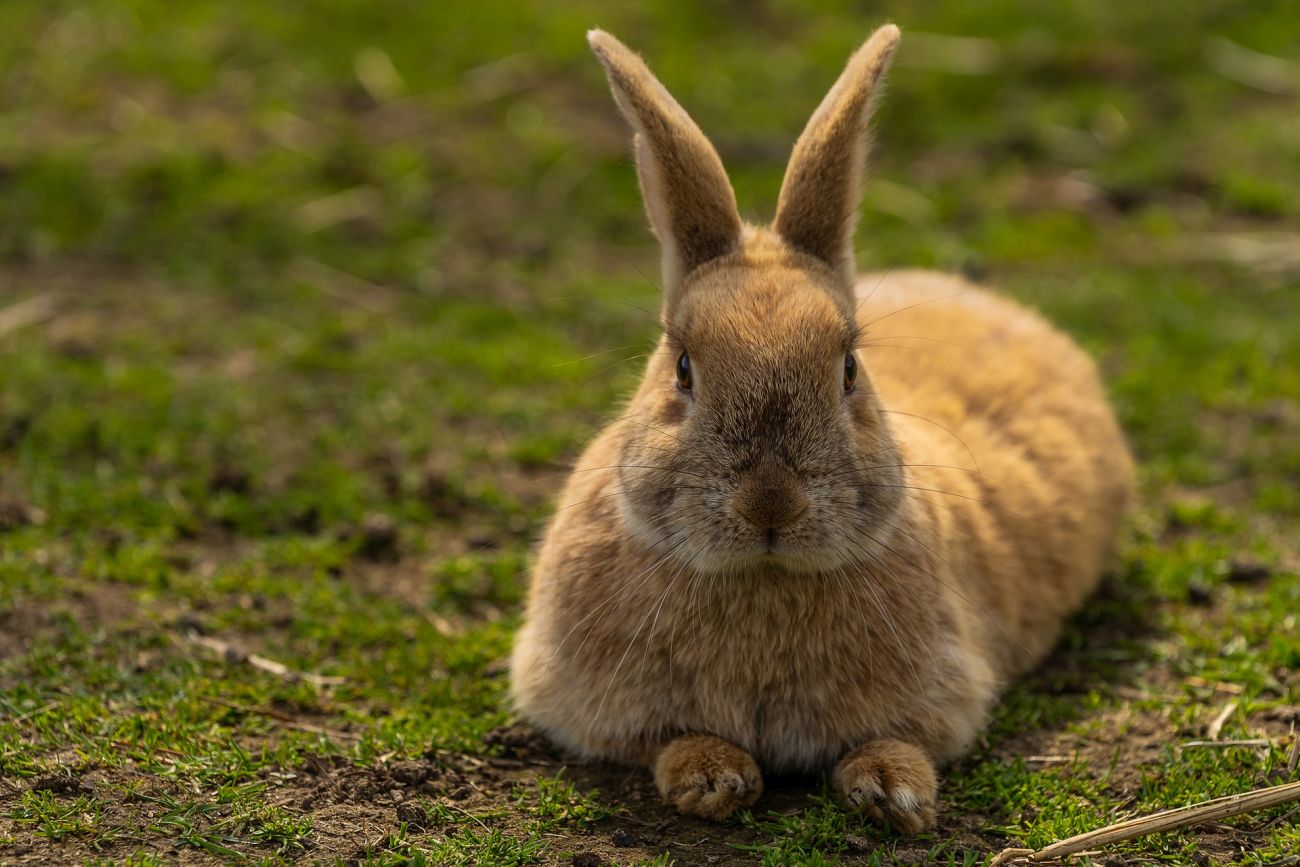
751,314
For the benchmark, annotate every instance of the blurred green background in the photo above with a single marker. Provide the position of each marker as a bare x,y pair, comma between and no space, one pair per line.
304,309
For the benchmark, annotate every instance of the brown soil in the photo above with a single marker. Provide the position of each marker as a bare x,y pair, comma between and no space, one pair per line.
355,809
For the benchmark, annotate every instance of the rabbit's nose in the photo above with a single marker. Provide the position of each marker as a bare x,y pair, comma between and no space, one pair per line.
770,497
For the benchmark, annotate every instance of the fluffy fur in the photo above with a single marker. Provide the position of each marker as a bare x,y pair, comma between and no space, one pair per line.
771,570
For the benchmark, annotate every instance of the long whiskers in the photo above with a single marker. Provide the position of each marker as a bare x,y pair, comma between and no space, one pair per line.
695,449
632,641
632,490
884,611
623,467
884,275
958,593
638,580
941,427
913,306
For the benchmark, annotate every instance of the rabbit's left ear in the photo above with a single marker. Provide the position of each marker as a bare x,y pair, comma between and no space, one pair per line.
818,207
690,201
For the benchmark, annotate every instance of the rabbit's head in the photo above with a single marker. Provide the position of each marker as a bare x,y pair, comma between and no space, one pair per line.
756,441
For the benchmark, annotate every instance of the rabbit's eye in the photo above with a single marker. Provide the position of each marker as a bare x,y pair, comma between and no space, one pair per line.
850,371
684,372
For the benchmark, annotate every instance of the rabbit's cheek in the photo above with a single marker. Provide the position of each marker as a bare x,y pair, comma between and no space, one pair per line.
671,411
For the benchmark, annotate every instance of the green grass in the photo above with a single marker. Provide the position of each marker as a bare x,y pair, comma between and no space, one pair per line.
337,290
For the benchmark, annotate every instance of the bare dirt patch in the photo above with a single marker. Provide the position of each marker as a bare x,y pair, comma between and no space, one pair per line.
355,810
89,604
360,806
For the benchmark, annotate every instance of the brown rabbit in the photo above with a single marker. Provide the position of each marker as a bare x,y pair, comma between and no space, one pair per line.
794,551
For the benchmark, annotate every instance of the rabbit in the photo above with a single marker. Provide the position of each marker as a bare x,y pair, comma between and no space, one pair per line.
838,515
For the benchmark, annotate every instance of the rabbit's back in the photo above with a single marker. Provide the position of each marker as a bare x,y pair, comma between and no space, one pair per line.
1012,447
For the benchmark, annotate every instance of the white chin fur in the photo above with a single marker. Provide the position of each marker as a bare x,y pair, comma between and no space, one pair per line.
774,561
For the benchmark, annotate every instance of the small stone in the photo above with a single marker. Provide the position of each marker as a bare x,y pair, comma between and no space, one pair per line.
518,742
413,815
229,477
442,494
378,537
191,622
409,773
460,793
61,784
587,859
622,839
1248,572
859,845
1200,594
16,513
306,520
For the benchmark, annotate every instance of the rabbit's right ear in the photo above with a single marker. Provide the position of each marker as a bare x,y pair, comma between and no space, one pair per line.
687,195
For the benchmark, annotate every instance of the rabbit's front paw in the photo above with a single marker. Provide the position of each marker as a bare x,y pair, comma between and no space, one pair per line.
706,776
890,781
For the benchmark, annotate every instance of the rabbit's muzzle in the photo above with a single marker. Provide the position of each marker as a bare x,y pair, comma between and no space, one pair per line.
770,497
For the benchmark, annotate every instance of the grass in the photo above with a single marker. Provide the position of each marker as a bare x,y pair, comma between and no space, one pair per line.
338,291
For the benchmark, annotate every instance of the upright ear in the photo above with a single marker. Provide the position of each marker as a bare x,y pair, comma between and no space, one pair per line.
818,207
687,195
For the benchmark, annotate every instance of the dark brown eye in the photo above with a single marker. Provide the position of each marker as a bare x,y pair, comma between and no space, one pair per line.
850,371
684,372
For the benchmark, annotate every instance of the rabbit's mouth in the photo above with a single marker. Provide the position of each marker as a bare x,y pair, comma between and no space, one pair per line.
772,535
775,550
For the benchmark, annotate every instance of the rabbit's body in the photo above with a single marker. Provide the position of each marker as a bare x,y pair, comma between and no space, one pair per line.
620,653
779,560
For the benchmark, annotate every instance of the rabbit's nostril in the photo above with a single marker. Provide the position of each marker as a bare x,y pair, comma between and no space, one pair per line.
770,497
770,509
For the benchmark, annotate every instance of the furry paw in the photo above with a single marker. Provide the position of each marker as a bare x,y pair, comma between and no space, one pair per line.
707,777
891,781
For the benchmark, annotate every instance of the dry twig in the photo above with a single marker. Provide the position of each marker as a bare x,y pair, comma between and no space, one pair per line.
342,286
27,312
1203,683
285,720
232,653
1293,763
1216,725
1265,72
1157,823
36,712
1240,742
125,745
440,624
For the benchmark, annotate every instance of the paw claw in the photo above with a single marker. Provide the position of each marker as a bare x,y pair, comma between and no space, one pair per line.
890,781
904,798
868,792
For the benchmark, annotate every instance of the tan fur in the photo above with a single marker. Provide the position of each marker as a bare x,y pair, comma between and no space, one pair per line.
796,572
687,195
891,781
707,776
818,206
